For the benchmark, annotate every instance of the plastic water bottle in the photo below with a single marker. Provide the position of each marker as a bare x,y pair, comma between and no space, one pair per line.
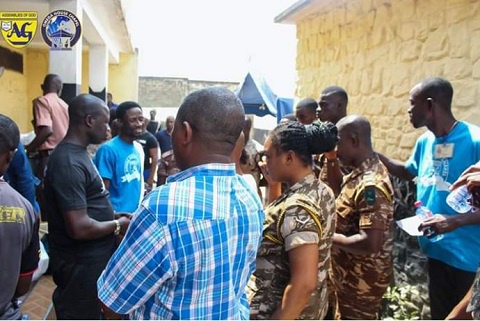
459,199
424,213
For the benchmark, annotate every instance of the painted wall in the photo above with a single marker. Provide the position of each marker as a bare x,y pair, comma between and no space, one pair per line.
123,78
85,72
378,49
13,100
36,69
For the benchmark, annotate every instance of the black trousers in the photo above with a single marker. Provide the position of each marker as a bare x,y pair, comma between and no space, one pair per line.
75,297
446,287
39,164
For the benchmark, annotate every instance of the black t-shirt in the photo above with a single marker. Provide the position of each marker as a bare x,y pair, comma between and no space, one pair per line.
148,141
72,183
152,126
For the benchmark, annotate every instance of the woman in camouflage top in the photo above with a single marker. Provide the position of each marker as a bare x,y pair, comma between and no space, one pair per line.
294,255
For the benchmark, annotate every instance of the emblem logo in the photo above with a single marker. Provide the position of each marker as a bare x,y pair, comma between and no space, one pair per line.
61,30
18,27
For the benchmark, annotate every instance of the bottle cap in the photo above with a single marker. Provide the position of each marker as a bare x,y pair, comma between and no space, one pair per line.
418,204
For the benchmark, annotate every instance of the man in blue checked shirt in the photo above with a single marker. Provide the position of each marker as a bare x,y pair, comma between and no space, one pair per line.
192,244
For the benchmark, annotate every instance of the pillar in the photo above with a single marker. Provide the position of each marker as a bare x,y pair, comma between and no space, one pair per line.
67,62
98,71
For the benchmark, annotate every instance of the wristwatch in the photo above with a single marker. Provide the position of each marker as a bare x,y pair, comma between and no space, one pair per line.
117,227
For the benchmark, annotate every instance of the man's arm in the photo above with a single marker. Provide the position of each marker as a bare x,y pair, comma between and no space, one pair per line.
334,175
43,123
153,167
396,168
373,221
105,162
469,177
42,134
106,182
146,249
364,243
23,284
81,227
20,174
303,281
443,224
459,312
30,258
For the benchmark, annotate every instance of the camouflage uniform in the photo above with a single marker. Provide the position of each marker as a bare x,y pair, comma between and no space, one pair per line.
306,213
365,202
474,305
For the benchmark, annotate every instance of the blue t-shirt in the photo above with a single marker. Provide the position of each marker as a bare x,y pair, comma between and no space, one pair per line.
20,176
460,248
164,141
120,162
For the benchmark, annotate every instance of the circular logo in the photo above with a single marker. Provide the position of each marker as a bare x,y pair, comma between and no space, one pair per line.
61,30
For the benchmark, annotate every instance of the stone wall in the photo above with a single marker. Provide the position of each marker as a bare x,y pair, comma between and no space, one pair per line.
378,49
169,92
410,264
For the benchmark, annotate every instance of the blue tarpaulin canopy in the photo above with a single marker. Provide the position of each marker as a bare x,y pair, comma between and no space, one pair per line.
258,99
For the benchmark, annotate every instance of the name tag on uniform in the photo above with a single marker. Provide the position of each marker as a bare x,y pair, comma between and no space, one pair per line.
444,150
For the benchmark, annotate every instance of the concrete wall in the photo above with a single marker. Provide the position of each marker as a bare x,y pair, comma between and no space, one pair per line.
169,92
378,49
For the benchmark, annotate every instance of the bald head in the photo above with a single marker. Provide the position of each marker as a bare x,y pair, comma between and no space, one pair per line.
83,105
52,84
216,117
358,126
438,89
88,120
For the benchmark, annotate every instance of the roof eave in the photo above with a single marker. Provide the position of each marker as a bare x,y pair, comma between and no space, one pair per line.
289,15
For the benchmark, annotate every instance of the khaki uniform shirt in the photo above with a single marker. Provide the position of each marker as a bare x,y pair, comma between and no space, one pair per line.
365,202
306,213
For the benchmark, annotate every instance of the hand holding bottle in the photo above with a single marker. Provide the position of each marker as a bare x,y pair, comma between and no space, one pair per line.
430,223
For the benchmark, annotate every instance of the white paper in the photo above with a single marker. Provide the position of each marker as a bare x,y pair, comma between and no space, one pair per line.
410,225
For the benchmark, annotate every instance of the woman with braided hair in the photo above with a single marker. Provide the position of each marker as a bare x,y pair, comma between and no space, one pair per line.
290,281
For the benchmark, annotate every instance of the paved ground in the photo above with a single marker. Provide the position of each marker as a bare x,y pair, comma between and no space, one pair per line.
37,303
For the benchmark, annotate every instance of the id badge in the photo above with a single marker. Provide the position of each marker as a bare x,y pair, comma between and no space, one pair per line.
444,150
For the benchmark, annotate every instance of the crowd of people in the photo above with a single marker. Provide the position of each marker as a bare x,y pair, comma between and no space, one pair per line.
172,223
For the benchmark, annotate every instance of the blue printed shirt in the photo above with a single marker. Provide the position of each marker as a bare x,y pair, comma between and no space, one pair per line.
461,247
122,164
189,250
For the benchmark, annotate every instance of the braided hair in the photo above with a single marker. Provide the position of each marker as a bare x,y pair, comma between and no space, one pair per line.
305,141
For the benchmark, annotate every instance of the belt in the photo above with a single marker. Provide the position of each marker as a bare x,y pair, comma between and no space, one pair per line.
40,153
45,152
